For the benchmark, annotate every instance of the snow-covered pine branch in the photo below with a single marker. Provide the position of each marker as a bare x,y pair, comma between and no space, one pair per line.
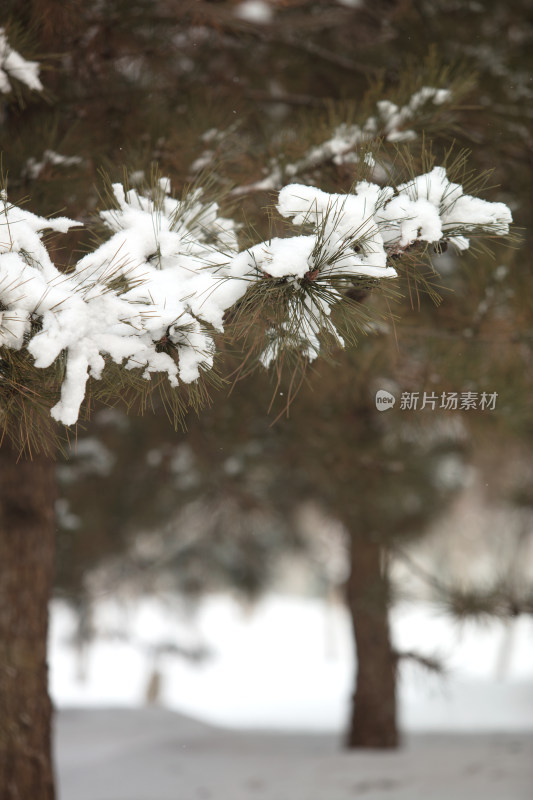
153,295
14,66
389,122
157,279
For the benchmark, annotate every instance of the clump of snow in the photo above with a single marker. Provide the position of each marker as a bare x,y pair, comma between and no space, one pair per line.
394,118
65,517
34,168
350,236
379,219
280,258
13,65
159,278
212,138
431,207
202,161
137,177
254,11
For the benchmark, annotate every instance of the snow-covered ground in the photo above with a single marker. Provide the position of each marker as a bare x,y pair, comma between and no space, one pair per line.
287,663
153,754
270,704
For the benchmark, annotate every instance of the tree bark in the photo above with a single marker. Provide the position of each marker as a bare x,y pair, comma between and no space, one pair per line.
27,494
373,721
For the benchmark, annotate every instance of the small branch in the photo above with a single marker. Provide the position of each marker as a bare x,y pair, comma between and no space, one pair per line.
426,576
431,663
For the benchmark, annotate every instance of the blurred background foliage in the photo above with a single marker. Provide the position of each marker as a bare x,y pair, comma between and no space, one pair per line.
216,88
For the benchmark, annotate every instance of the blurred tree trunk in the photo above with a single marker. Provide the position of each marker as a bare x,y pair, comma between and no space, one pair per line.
27,529
373,721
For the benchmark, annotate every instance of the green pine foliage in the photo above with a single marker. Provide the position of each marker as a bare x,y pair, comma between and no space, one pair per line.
145,87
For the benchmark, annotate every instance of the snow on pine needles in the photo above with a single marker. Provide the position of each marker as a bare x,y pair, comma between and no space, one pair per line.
14,66
154,295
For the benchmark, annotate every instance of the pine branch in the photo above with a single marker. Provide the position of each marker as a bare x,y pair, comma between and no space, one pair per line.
166,279
430,663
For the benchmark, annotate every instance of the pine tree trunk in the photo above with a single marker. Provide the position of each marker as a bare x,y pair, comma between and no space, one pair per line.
27,493
373,721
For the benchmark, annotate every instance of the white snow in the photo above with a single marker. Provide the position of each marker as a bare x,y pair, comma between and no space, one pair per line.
394,118
287,663
455,209
280,258
380,219
254,11
279,680
173,279
388,123
152,754
172,268
34,168
13,65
